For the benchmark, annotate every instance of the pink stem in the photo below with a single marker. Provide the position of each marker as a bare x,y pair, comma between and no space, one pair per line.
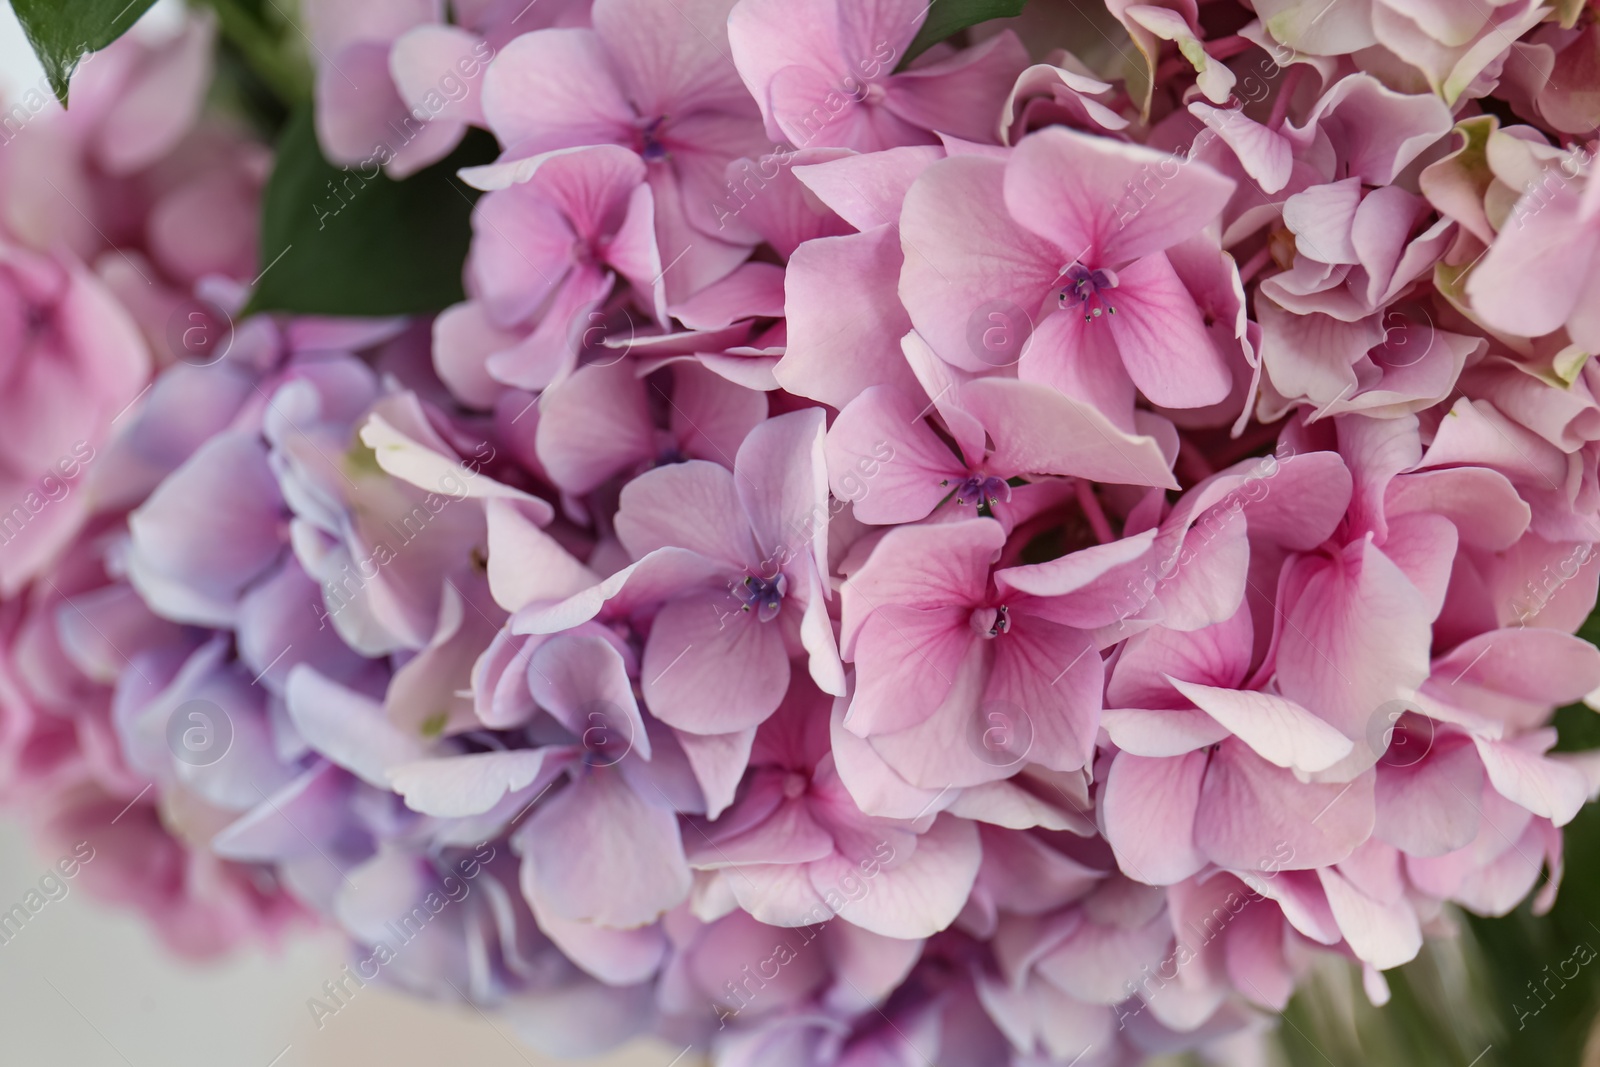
1280,106
1227,47
1254,264
1094,513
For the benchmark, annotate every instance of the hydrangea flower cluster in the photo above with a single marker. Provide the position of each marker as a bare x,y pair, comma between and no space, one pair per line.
999,553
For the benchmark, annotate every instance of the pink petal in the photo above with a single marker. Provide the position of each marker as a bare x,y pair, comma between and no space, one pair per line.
616,957
1552,790
356,100
1052,675
709,668
1149,808
783,484
673,59
1251,811
582,681
1384,935
1356,638
1070,187
463,339
1265,154
694,505
654,578
595,832
926,567
885,460
521,252
1530,280
764,38
907,662
966,257
1163,732
1162,339
755,290
809,109
867,189
874,786
789,835
348,728
907,896
555,89
594,425
718,761
430,64
956,96
1427,806
710,415
1080,360
843,340
1037,430
458,786
525,563
1323,217
1280,731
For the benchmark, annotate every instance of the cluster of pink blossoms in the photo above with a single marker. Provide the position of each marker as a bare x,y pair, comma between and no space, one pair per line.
1001,558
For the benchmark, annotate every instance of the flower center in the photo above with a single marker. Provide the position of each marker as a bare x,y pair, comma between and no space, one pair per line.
981,489
991,622
650,147
863,92
591,251
1086,290
762,595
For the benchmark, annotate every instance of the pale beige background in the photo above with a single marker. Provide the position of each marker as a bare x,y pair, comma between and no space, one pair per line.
86,986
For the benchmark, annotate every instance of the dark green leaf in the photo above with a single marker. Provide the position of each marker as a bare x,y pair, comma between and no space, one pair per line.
265,46
946,18
62,32
349,241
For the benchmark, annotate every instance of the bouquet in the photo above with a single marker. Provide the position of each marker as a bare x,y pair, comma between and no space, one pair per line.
829,532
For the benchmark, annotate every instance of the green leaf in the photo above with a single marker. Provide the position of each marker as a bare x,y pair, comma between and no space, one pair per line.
62,32
946,18
264,49
350,241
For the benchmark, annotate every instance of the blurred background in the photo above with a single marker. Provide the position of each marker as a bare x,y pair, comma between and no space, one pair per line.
84,985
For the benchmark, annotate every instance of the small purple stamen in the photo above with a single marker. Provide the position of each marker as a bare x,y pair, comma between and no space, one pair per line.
651,150
1087,290
981,489
765,595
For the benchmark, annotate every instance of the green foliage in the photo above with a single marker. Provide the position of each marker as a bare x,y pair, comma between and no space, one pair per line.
946,18
262,41
350,241
62,32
